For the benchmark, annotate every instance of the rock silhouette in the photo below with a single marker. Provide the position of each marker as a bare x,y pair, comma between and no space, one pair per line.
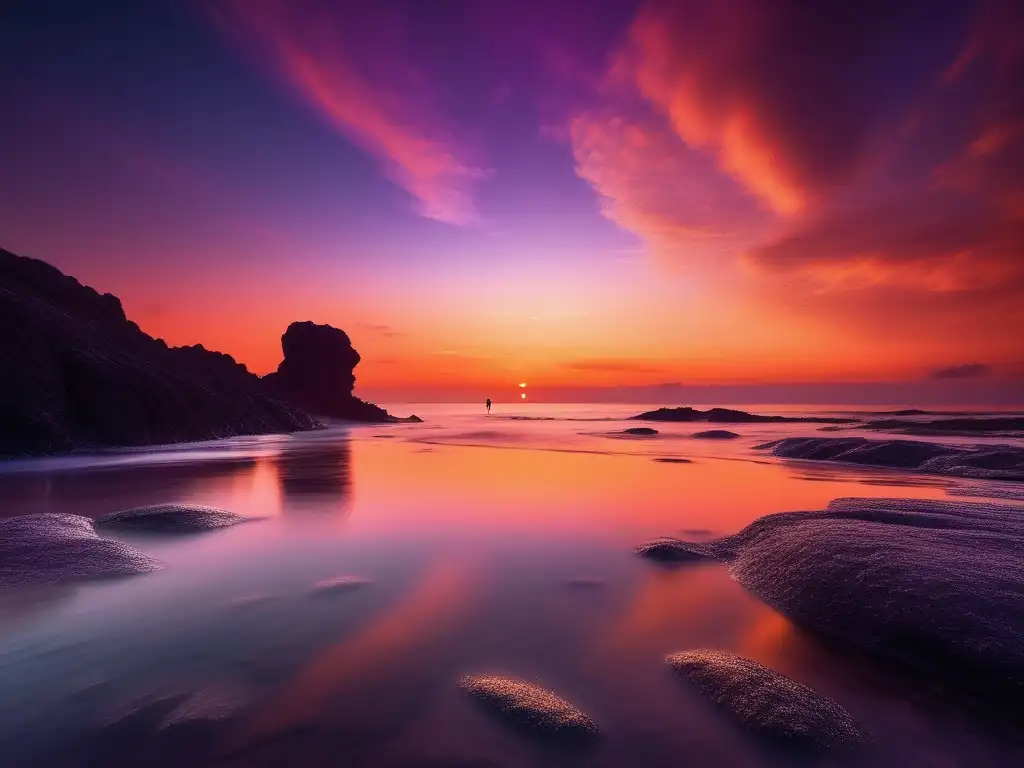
76,374
715,434
768,704
317,374
730,416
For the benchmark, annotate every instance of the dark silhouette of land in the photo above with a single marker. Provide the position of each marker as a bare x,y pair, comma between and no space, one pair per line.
77,374
730,416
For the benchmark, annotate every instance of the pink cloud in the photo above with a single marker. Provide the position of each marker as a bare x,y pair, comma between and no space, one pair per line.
355,76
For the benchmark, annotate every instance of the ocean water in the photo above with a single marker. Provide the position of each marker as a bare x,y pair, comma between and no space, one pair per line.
468,529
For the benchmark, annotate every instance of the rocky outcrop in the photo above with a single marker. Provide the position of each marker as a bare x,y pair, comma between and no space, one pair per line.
766,703
672,551
990,462
958,426
715,434
171,518
317,373
730,416
640,431
529,706
75,374
934,585
62,549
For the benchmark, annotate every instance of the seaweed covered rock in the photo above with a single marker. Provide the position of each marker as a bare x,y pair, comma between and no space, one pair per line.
992,462
171,518
766,703
317,373
530,706
58,548
936,585
75,373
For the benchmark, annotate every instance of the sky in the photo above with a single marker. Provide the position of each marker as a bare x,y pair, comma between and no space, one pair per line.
755,199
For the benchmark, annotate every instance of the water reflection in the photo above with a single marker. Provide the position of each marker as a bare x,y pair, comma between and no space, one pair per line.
315,476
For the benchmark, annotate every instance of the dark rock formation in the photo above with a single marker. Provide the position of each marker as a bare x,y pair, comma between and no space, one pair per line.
729,416
640,431
57,549
991,462
340,584
958,426
672,551
715,434
75,373
171,518
934,585
317,374
672,460
768,704
530,706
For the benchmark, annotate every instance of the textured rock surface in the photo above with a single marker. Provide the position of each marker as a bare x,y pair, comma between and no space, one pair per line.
55,549
317,373
171,518
715,434
529,705
668,550
938,585
75,373
729,416
767,703
995,462
340,584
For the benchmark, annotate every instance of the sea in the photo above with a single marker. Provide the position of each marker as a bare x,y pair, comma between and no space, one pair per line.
496,543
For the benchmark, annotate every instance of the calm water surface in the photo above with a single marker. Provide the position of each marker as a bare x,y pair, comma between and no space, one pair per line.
469,529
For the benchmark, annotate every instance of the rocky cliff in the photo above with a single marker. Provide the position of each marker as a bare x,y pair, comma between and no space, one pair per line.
75,373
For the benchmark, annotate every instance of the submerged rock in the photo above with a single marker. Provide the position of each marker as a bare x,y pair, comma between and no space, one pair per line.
729,416
672,460
668,550
767,703
640,431
937,585
715,434
586,583
528,705
340,584
958,426
58,548
993,462
171,518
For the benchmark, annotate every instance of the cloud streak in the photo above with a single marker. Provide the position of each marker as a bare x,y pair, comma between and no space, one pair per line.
965,371
354,74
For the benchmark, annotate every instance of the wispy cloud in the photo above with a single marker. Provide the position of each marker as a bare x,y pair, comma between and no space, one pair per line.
616,365
357,78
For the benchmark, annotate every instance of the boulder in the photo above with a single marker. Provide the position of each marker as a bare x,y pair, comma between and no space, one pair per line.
729,416
171,518
993,462
668,550
766,703
715,434
640,431
59,548
936,585
75,374
530,706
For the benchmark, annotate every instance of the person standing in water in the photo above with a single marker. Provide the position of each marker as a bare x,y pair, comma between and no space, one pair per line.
488,405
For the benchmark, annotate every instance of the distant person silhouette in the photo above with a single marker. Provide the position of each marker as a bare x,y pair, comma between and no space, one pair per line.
488,405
